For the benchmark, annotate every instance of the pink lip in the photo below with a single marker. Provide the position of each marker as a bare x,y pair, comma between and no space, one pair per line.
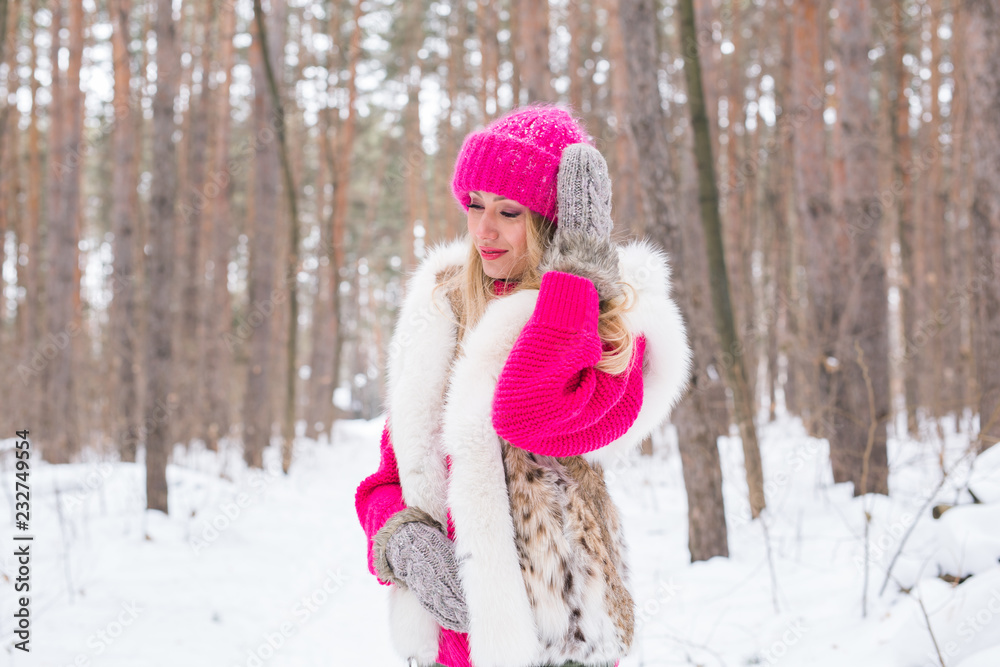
490,253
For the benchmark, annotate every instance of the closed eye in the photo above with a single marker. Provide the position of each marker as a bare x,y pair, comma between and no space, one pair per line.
506,214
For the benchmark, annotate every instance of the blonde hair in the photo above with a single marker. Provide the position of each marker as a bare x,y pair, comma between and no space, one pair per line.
470,290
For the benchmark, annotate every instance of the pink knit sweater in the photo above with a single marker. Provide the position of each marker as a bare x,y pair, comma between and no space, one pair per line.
549,400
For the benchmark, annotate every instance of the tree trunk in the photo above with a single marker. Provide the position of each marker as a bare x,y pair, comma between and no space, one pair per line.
775,302
163,221
626,191
416,204
939,388
861,386
320,359
487,22
52,450
982,38
124,335
711,53
452,219
795,345
3,28
814,210
29,311
9,155
218,307
533,17
342,191
962,250
952,390
910,278
574,24
273,81
257,414
197,191
10,219
696,431
708,197
735,198
325,322
319,353
64,173
515,41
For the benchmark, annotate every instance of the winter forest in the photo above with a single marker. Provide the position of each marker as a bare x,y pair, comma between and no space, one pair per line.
209,210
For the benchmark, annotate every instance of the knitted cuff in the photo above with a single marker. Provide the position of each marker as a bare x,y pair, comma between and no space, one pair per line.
381,540
567,301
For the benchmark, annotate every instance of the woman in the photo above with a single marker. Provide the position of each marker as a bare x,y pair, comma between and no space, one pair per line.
527,358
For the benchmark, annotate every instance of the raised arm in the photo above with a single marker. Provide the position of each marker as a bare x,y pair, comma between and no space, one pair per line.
550,399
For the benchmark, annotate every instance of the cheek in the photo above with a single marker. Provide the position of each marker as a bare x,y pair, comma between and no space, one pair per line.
520,240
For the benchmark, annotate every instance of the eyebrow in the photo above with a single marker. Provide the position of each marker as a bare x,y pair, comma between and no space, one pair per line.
496,198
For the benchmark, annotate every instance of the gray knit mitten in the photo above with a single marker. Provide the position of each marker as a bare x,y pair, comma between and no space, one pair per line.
419,556
582,242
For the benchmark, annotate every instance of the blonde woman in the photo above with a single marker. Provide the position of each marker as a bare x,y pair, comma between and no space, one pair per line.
528,357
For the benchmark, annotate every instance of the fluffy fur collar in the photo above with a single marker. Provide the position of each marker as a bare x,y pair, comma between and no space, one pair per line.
440,407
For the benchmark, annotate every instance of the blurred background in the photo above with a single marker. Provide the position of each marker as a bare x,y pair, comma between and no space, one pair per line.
209,209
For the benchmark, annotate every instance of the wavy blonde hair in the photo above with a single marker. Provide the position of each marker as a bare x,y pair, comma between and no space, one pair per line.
470,290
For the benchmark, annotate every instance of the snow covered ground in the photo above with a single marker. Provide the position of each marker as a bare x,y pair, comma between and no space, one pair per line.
255,569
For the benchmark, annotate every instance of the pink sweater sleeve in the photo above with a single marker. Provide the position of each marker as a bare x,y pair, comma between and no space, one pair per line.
550,399
379,497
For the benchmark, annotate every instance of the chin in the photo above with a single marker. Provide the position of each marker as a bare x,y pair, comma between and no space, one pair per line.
506,272
499,275
492,272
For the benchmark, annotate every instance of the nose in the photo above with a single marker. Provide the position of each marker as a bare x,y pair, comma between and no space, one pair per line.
486,229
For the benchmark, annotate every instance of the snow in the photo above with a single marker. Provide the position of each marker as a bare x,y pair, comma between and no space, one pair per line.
988,658
985,478
255,568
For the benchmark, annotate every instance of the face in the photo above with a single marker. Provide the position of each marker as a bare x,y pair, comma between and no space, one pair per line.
500,224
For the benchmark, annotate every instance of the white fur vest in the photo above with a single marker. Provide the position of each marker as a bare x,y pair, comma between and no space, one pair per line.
526,607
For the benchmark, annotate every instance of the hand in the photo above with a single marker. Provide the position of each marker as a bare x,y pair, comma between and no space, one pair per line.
422,558
582,242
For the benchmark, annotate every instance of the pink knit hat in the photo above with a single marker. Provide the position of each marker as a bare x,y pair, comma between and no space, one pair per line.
517,156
